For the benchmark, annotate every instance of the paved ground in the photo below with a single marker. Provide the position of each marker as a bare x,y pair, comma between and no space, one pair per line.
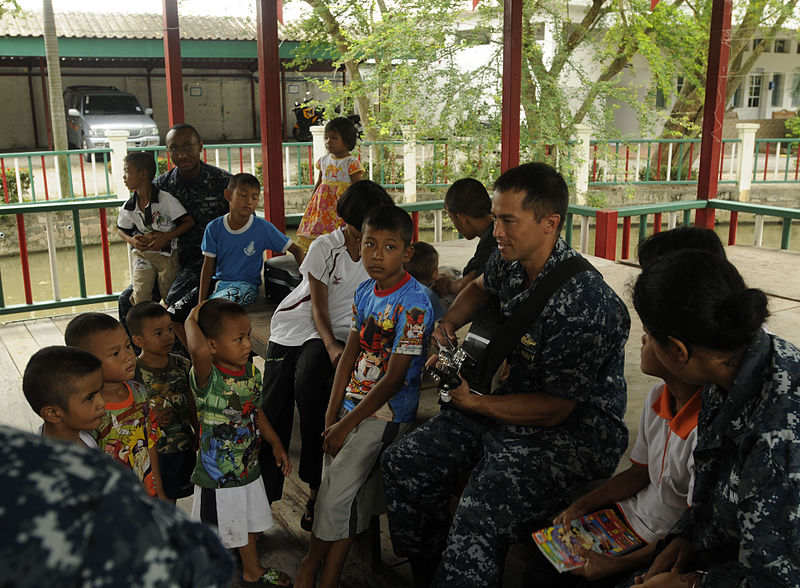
776,272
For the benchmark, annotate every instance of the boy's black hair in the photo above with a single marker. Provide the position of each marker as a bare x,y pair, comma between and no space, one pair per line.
244,179
700,299
468,196
182,126
676,240
87,325
215,312
359,199
544,188
424,263
346,129
142,160
389,217
142,312
51,372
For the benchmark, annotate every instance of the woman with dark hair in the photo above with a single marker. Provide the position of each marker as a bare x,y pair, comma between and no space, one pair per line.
743,528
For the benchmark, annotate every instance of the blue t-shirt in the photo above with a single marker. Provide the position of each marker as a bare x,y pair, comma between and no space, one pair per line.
240,253
436,303
397,320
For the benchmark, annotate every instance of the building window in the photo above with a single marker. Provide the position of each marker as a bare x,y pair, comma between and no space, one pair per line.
737,97
796,84
754,93
781,46
679,84
538,31
777,90
756,43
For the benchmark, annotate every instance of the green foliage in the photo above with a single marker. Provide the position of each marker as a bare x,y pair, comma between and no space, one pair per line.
793,126
162,165
11,185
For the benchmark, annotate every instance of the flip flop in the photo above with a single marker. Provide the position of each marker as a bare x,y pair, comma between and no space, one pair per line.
270,577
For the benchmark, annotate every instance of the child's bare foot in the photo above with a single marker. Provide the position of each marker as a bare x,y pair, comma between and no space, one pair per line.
307,574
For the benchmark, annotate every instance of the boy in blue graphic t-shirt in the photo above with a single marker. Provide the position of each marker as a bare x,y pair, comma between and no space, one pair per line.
374,395
234,244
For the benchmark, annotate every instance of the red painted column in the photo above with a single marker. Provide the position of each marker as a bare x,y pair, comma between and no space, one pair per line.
605,241
512,75
172,63
719,46
269,85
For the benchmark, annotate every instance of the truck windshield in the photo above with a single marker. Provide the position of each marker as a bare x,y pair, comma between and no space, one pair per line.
111,104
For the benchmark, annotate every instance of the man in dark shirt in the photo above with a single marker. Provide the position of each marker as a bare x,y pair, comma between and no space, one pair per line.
468,205
200,188
554,423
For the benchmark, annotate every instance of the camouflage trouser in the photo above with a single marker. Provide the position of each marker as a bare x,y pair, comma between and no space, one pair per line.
514,482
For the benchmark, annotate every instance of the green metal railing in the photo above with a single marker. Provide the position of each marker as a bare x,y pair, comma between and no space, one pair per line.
785,160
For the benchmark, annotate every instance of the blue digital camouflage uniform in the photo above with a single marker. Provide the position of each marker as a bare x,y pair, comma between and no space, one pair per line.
518,475
744,523
72,517
204,198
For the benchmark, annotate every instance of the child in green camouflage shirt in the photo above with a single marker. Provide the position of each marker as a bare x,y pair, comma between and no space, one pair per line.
166,377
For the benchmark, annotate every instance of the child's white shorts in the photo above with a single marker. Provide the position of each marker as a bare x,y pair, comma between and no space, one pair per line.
235,512
352,490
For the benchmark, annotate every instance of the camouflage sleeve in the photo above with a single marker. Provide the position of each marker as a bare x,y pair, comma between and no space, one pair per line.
581,339
768,517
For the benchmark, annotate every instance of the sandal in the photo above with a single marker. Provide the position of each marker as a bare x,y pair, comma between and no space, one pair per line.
270,577
307,521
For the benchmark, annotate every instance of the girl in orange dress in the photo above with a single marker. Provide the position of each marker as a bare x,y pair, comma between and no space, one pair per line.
337,170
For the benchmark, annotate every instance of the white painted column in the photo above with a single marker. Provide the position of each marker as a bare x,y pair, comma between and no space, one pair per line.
409,164
747,138
582,156
318,138
117,141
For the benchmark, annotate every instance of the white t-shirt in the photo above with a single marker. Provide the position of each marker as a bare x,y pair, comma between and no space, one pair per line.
329,262
85,437
665,445
161,215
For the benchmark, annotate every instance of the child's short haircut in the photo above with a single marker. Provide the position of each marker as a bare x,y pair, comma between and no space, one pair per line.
424,263
50,373
389,217
346,129
215,312
142,312
359,199
679,239
142,160
244,179
469,197
87,325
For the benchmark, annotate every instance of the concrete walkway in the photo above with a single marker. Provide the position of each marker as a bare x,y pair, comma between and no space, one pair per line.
775,272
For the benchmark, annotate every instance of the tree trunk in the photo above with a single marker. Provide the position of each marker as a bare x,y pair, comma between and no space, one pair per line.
352,67
55,91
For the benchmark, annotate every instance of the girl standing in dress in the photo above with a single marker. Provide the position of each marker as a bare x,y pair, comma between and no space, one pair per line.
337,170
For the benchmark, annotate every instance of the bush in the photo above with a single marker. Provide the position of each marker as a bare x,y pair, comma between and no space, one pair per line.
11,184
161,162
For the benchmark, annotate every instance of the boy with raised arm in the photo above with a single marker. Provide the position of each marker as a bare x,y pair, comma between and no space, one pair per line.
229,492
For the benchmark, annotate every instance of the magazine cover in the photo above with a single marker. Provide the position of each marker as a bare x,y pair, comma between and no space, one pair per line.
602,531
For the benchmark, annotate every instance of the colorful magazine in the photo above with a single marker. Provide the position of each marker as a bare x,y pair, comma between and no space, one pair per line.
602,531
